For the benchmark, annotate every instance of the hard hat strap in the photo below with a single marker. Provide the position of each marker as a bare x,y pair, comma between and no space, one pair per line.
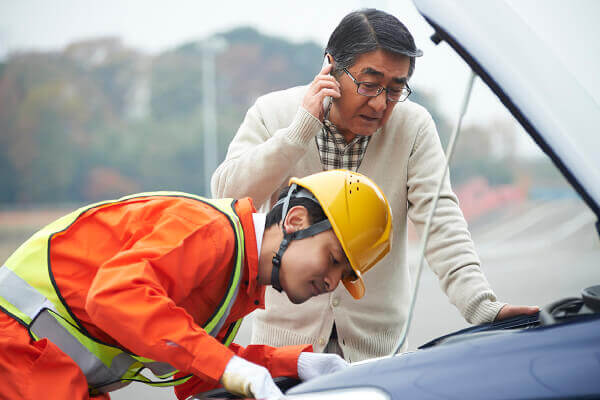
286,204
286,200
312,230
277,265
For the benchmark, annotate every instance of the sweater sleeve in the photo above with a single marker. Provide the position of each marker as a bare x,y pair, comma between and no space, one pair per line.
259,159
450,251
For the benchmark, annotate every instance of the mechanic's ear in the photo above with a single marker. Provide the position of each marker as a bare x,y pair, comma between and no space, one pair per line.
297,219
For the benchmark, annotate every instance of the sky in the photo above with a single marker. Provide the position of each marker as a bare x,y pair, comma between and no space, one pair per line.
155,26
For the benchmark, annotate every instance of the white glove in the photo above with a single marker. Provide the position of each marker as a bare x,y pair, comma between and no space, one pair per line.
311,365
247,379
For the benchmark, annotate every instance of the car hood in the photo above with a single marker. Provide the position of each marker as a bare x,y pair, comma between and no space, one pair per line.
508,364
535,60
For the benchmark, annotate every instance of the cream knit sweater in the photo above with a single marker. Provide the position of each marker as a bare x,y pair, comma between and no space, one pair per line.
405,158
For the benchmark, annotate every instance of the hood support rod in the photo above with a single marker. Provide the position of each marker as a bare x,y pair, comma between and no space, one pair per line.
425,237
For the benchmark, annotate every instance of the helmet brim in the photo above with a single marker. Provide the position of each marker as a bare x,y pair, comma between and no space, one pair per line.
356,288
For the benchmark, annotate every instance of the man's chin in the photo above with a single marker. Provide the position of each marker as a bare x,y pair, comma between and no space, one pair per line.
365,131
363,127
297,299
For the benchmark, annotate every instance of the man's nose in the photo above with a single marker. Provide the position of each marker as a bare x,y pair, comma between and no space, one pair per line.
332,280
379,102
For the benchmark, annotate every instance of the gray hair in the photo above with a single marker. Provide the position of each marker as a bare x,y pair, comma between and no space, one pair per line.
368,30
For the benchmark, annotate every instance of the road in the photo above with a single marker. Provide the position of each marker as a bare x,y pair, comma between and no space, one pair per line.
531,255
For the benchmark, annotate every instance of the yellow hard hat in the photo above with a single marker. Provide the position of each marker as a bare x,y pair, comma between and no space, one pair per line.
360,216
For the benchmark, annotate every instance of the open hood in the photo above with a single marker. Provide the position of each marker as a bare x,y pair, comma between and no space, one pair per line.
543,64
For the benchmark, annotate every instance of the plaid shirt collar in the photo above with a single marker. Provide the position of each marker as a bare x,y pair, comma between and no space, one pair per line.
335,153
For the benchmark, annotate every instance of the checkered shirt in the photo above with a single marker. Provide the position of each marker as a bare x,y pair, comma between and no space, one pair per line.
335,153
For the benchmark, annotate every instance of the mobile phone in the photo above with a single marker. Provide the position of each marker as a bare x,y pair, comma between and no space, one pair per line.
327,99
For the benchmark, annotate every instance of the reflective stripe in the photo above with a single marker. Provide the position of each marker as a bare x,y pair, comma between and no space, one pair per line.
22,295
160,369
97,374
171,382
44,324
28,292
232,332
221,322
110,387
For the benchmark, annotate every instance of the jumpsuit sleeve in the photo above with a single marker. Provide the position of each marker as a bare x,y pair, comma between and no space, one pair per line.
280,361
134,296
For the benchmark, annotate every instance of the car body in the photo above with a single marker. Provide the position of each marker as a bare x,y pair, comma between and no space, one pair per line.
555,99
555,354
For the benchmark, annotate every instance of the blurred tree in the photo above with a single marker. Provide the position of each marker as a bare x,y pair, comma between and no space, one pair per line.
10,96
47,158
99,119
176,84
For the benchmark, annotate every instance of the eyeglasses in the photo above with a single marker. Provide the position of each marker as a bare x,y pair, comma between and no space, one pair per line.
371,89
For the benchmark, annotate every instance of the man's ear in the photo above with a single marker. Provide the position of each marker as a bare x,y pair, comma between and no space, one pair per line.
296,219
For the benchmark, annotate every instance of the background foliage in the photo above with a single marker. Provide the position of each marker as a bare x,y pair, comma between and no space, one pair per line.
98,119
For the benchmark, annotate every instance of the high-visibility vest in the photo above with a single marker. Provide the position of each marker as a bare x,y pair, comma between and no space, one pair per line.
28,292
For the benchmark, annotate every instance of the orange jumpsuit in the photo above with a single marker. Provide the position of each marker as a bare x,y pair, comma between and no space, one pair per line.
144,274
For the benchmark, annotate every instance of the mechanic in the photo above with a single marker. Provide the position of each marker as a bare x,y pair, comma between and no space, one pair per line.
162,280
369,127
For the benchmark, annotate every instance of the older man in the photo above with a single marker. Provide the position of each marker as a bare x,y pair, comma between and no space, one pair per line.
368,127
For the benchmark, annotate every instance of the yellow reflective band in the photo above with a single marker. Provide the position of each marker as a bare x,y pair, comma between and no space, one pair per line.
29,294
233,332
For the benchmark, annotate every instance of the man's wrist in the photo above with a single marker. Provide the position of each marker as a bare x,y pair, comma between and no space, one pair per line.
486,311
304,127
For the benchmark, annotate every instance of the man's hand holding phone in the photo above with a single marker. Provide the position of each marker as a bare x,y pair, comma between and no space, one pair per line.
321,90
